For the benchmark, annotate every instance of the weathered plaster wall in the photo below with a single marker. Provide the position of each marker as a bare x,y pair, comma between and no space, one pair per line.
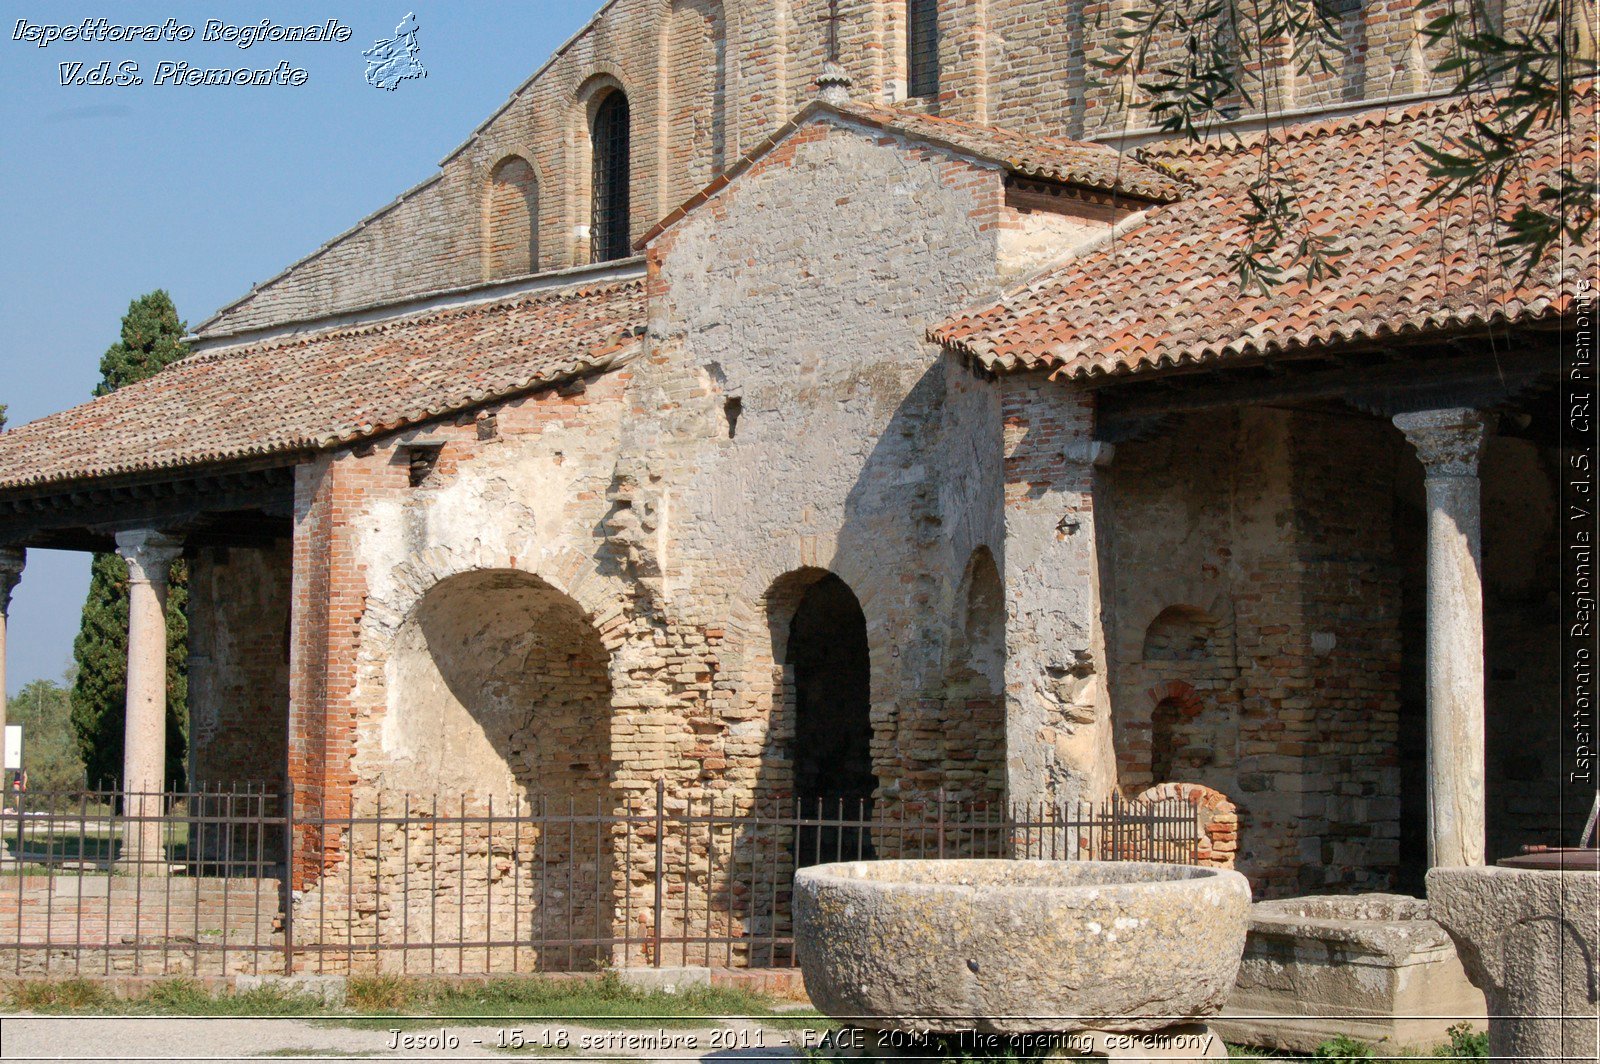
787,421
1058,705
811,317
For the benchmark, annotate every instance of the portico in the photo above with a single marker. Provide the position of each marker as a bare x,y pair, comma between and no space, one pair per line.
1291,574
152,522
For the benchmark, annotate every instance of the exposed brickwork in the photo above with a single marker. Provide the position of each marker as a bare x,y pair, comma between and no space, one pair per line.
511,210
614,497
1256,636
142,925
1345,657
239,667
1219,820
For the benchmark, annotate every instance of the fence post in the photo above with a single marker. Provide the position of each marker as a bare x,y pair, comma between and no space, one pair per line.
941,823
661,879
288,877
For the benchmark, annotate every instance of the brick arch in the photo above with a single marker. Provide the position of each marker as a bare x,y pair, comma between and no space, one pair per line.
1183,695
757,616
765,577
1219,819
1181,632
568,571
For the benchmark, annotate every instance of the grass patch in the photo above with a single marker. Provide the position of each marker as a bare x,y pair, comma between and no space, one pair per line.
379,993
170,997
1466,1043
387,1001
59,996
181,997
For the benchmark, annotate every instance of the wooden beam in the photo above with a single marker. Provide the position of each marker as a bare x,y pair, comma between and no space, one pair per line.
89,515
1476,380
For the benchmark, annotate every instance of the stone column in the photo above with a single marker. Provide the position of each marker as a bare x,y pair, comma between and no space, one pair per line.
149,555
12,560
1449,443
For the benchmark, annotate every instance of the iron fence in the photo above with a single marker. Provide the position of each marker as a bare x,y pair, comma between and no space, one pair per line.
198,883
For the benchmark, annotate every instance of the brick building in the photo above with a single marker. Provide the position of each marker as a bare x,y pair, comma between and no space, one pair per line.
917,438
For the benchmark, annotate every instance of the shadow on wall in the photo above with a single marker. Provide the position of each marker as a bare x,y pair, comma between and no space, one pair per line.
500,687
881,680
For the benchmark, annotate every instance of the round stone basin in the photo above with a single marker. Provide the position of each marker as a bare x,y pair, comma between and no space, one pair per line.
1016,946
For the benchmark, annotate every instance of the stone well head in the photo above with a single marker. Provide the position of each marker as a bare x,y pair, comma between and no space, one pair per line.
1011,947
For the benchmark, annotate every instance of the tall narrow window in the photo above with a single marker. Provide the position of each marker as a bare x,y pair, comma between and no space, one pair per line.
922,47
609,221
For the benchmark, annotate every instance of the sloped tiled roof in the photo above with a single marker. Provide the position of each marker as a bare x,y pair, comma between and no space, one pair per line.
1069,162
318,390
1164,292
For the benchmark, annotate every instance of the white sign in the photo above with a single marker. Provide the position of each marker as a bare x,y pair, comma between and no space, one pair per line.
14,746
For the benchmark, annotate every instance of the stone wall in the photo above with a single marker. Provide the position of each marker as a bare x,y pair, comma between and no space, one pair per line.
708,80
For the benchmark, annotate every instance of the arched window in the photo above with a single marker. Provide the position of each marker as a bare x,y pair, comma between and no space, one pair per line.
608,228
513,218
922,48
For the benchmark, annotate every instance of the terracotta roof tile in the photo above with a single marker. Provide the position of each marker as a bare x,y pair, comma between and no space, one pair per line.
1164,293
1071,162
316,390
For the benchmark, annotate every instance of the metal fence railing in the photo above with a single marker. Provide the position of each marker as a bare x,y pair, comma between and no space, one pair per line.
197,883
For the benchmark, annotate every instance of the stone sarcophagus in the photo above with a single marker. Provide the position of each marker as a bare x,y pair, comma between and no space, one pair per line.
1372,966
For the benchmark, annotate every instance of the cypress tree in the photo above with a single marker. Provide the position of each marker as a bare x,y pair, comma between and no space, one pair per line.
152,338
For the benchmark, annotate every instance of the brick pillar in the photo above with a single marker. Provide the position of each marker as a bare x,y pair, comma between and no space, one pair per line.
149,555
1058,709
1449,443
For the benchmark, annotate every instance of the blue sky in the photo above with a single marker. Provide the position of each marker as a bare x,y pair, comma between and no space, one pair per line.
108,192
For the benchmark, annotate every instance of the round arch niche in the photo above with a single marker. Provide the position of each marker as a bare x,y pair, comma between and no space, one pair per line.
498,684
827,653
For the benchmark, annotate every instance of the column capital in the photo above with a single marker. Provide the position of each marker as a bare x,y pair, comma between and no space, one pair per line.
149,554
1449,442
12,559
